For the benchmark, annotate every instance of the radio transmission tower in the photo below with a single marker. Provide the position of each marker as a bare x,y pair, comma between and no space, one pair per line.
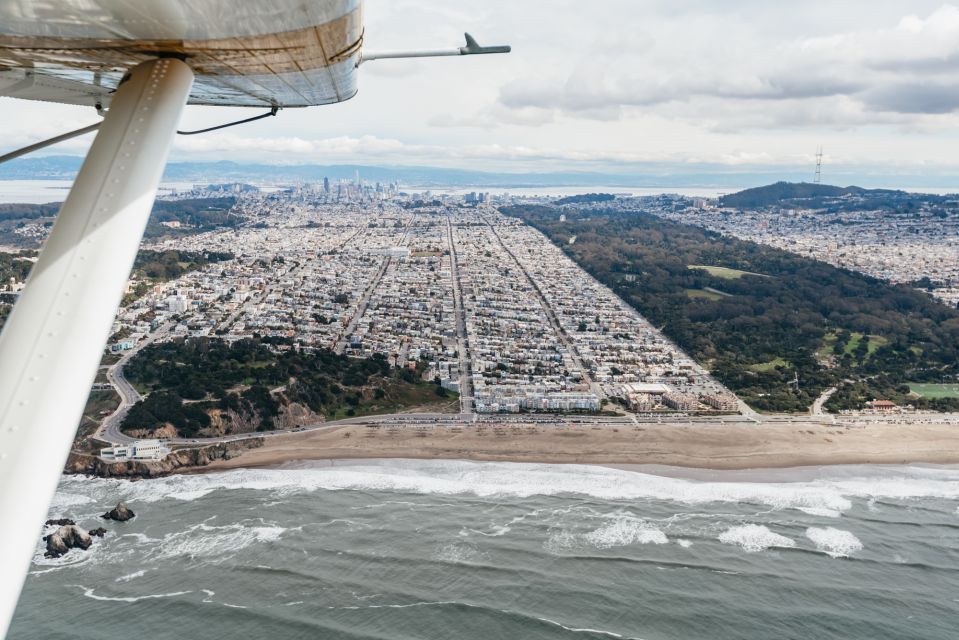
818,177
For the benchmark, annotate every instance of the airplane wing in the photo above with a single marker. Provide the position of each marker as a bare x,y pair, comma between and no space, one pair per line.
143,60
286,53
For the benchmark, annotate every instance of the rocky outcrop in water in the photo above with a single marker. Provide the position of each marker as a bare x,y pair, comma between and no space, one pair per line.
67,537
61,522
98,532
120,513
181,460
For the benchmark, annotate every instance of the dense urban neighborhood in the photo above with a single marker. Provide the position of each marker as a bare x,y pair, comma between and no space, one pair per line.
479,302
478,305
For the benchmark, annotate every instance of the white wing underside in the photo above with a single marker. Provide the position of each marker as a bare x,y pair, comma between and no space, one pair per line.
286,53
144,59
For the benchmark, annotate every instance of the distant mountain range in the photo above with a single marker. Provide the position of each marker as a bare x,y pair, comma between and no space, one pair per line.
651,175
648,175
66,167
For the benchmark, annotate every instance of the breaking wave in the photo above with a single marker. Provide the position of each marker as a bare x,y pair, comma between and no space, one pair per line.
203,540
755,537
826,496
623,531
90,593
834,542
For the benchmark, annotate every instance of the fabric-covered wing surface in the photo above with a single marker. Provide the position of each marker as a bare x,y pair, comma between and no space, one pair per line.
288,53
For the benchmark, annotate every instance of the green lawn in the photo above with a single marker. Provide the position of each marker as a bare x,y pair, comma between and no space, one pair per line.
935,390
699,293
769,366
874,343
725,272
854,339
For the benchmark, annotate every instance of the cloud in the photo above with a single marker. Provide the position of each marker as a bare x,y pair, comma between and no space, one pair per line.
339,146
914,97
906,68
392,151
613,85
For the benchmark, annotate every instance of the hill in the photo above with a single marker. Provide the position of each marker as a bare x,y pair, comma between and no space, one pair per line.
586,198
825,198
786,191
21,211
207,386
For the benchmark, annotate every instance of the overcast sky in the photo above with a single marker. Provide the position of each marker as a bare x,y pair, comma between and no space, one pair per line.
593,85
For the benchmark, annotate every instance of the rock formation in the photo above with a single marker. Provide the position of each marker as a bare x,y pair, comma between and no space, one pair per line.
67,537
120,513
98,532
178,460
62,522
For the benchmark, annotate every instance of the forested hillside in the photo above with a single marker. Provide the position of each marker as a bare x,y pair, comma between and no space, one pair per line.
248,385
196,214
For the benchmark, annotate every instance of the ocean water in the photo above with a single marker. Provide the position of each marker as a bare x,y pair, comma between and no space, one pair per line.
424,549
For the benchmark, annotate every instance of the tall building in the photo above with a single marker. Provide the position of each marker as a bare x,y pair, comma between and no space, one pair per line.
326,185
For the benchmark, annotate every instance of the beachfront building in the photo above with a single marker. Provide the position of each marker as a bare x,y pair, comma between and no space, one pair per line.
145,450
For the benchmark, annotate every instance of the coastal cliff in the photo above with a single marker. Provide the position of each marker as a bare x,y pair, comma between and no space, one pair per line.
176,461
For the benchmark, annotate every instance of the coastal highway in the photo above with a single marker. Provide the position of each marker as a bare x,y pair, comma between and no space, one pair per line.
109,430
467,420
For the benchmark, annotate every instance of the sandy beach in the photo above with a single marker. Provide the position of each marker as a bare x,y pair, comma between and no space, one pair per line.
695,446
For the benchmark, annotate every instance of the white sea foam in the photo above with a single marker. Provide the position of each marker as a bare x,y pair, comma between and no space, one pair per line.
685,544
66,500
619,529
498,530
824,496
131,576
623,531
90,593
755,537
141,538
71,558
190,496
581,630
460,553
835,542
561,540
821,511
203,540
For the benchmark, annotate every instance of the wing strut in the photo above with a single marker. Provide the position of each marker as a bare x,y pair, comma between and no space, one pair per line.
53,340
36,146
472,48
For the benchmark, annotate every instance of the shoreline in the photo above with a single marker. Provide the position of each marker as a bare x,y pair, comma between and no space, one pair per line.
700,448
767,475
